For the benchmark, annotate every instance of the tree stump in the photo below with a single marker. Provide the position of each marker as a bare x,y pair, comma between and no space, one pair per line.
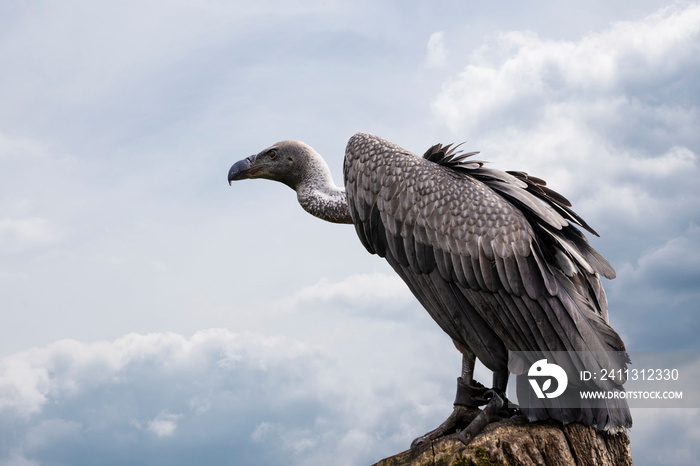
518,442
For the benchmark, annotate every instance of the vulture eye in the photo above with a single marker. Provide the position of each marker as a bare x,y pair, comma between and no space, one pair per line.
272,153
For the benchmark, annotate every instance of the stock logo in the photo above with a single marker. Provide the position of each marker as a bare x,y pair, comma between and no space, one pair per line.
544,371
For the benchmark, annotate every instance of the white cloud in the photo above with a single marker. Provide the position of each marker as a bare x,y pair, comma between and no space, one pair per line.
361,291
22,233
16,459
664,436
607,120
23,225
436,50
164,424
70,393
33,378
519,69
22,386
213,393
153,109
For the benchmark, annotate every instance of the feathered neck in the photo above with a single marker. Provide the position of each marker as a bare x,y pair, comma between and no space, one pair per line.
318,194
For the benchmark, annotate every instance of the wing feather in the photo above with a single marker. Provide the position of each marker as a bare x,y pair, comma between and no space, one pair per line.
502,274
495,257
530,274
488,268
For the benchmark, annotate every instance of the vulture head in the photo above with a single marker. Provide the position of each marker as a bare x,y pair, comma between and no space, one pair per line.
289,162
301,168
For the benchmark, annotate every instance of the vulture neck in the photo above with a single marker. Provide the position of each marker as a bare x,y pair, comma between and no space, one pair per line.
318,194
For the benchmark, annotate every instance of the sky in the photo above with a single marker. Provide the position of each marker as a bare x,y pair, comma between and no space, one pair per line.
151,314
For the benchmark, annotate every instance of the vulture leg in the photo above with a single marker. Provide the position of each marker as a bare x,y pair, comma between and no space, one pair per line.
488,414
496,408
466,416
470,395
500,383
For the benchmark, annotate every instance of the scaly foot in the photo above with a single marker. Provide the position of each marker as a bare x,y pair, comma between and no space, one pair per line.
485,416
461,417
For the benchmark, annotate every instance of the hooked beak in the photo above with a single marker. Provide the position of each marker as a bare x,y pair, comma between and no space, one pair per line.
240,169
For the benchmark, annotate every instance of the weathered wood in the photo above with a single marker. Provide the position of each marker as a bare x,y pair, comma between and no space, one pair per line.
517,442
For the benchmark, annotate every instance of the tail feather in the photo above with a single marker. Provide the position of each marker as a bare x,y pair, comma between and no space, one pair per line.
611,415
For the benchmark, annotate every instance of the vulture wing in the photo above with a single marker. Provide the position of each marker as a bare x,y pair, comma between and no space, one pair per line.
493,256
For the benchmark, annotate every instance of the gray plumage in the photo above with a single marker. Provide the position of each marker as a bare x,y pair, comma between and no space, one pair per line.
494,257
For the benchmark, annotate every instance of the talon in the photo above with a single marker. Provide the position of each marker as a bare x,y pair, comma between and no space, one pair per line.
489,412
509,410
466,418
461,416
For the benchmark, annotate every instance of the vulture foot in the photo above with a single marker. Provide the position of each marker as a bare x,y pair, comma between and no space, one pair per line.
497,409
461,416
466,407
467,418
488,414
471,394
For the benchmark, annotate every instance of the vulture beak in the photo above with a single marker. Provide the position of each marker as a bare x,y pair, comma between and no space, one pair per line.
240,170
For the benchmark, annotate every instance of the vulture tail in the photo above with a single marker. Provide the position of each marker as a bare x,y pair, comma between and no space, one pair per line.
610,415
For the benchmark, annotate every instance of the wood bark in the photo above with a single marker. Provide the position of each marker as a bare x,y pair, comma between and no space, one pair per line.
517,442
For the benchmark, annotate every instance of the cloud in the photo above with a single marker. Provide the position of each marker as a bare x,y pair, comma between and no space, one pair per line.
17,459
601,119
436,50
164,424
374,292
18,234
673,266
115,218
70,394
665,436
520,70
609,121
217,395
31,219
655,295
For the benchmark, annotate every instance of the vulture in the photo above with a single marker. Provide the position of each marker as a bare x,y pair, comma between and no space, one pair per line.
496,258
